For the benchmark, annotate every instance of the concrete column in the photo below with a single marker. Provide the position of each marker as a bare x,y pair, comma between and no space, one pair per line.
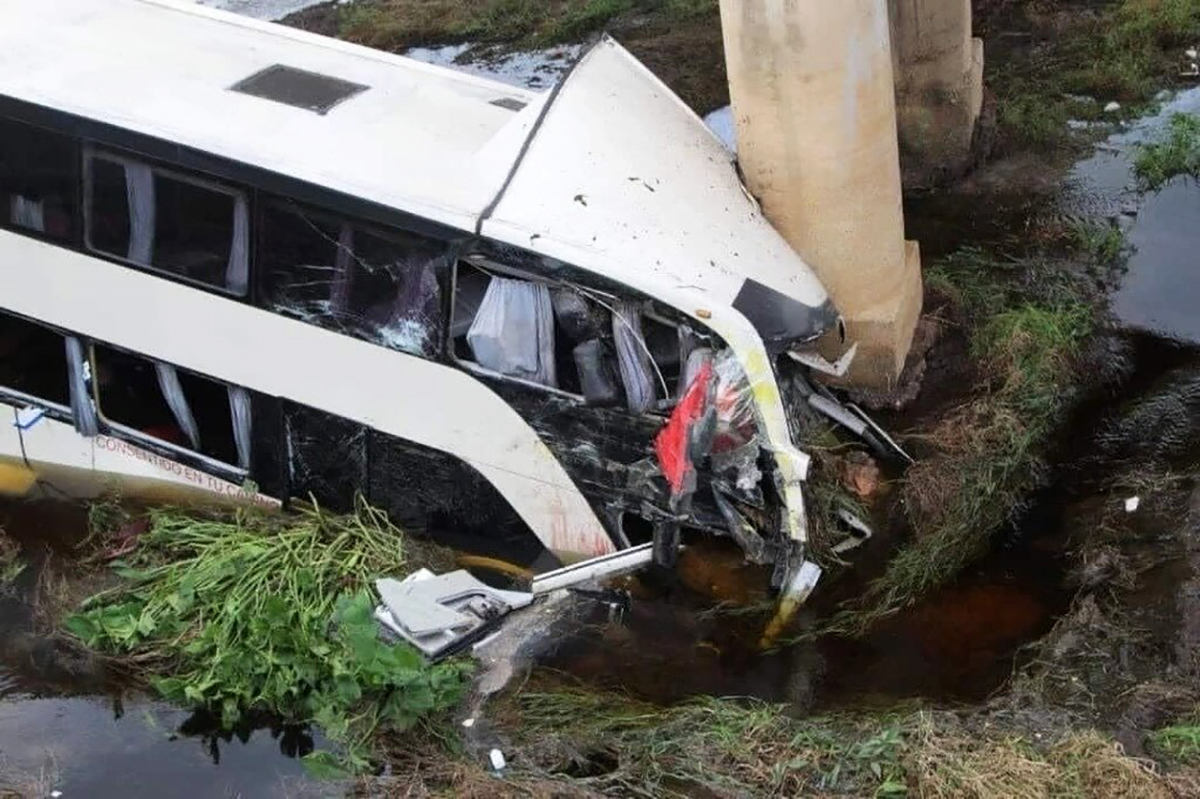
814,106
939,87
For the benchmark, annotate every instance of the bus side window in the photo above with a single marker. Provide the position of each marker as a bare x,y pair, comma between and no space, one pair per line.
37,181
378,286
567,338
33,361
170,405
194,228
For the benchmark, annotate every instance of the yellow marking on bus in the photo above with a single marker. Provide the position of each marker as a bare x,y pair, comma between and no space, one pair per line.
16,479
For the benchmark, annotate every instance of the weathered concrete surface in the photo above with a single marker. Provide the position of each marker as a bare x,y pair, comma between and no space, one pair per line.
814,107
939,87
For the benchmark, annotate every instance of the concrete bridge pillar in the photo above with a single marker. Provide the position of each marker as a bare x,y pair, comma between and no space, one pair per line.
939,87
814,105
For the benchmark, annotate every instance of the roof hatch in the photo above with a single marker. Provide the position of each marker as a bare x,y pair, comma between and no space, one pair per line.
311,91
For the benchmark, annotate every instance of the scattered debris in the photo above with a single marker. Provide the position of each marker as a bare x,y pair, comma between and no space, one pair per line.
861,532
860,474
1112,107
815,361
440,614
1131,504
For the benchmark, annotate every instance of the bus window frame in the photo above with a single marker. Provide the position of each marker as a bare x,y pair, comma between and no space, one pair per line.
7,393
487,265
75,198
226,471
91,151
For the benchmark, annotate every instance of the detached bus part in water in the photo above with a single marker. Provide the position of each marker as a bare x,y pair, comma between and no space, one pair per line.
246,261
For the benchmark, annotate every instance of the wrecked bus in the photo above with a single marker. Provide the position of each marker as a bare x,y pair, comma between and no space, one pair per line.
247,261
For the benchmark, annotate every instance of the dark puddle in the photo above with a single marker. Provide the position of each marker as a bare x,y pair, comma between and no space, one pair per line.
67,723
1160,289
959,645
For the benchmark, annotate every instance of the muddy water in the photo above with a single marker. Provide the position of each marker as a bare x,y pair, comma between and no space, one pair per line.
675,642
108,747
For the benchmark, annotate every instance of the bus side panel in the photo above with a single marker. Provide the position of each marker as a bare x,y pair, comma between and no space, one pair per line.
326,457
423,490
434,492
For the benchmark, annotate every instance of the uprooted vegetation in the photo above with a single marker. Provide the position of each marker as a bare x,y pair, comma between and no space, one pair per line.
247,611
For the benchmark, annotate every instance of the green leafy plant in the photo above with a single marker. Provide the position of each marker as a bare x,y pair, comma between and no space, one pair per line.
256,611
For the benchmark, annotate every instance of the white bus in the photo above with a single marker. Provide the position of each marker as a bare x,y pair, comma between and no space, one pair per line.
243,260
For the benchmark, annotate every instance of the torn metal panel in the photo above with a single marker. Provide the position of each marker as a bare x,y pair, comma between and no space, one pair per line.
781,320
441,614
860,532
593,570
815,361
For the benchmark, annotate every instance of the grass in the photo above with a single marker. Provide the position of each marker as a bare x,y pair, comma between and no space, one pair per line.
1180,742
1125,53
397,24
11,564
570,741
251,611
1103,243
950,764
1026,322
1177,154
614,745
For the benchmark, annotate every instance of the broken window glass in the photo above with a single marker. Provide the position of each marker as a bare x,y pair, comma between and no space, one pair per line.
170,405
379,286
33,361
37,180
196,229
582,342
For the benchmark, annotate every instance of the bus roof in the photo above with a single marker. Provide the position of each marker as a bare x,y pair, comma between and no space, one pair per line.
414,139
617,176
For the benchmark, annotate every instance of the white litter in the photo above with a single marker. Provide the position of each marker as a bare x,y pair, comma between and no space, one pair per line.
468,723
497,758
1192,53
1132,503
1111,107
55,794
439,613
